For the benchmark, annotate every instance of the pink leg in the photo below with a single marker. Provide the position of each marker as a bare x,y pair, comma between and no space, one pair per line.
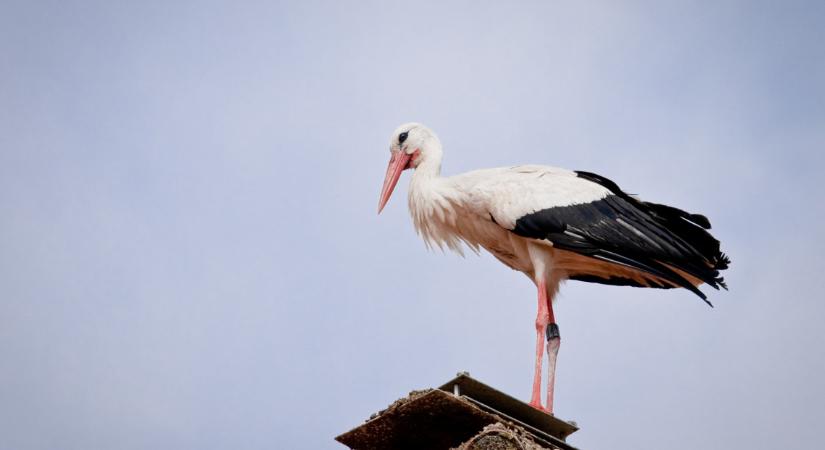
542,318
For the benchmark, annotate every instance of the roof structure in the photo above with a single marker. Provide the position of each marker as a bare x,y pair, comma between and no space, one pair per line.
463,413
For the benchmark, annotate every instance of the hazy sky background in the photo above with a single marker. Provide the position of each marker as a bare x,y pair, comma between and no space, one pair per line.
190,256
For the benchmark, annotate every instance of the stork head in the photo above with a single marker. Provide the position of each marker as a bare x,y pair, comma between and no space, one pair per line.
411,145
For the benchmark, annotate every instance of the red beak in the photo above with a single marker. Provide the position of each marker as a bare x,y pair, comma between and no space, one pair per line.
398,162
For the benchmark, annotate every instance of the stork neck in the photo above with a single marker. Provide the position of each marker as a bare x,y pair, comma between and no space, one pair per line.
430,165
426,188
431,204
428,168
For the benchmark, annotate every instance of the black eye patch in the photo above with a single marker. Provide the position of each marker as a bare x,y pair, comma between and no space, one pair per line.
402,137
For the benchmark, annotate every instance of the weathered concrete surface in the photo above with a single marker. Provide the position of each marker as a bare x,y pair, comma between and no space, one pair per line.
436,420
463,414
429,419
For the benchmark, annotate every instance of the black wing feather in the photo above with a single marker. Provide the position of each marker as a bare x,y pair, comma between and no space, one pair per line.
623,230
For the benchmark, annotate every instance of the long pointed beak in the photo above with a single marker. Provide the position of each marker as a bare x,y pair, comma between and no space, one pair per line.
398,162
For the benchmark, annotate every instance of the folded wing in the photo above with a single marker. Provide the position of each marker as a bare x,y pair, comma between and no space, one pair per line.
589,215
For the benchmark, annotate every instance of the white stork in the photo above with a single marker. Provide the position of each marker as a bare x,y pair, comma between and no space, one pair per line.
552,225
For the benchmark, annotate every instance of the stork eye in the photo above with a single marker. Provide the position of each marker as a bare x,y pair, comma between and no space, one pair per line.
402,137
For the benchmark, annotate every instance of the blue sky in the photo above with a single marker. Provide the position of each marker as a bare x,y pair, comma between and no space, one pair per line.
190,256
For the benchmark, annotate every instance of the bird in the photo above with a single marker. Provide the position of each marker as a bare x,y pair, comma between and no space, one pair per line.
553,225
